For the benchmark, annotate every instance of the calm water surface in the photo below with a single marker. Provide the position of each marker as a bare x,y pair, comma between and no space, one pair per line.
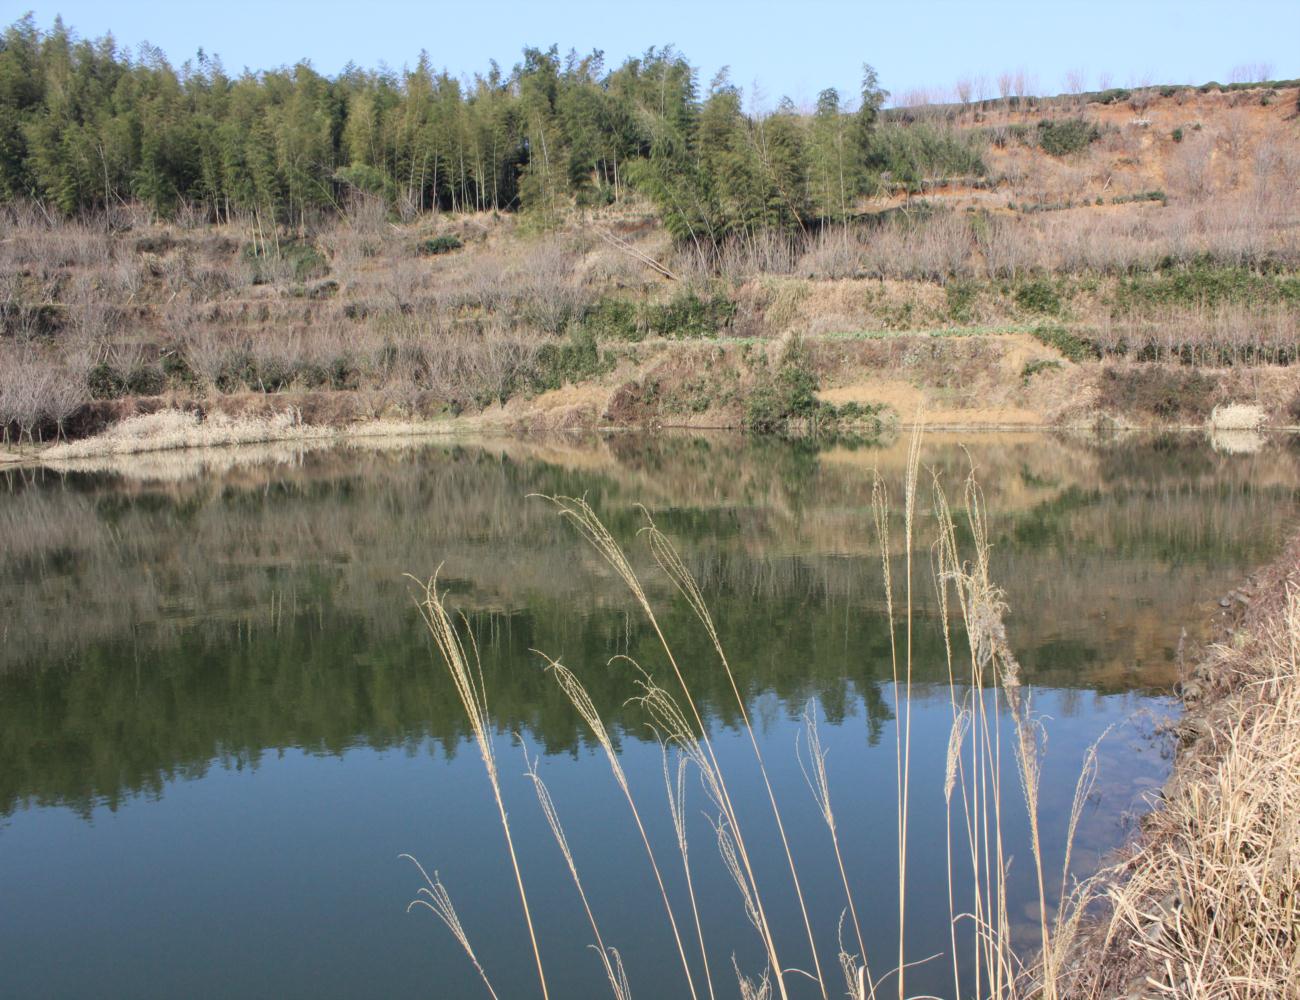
221,720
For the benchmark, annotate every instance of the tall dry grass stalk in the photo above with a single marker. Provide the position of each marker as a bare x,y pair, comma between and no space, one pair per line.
986,699
665,554
468,681
433,896
814,772
690,735
581,701
676,789
610,959
902,694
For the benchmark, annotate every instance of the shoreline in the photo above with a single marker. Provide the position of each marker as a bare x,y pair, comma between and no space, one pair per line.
176,429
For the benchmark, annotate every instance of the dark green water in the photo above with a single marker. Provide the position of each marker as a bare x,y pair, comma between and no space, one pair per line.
221,719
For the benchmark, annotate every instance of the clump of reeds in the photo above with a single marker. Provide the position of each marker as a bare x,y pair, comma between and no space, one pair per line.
985,690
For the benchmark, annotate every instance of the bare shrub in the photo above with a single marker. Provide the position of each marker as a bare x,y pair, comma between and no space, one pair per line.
466,365
486,287
545,292
1140,99
1004,248
37,391
1189,170
93,317
130,274
938,247
1006,83
1256,72
211,353
366,214
405,282
349,245
835,252
1226,334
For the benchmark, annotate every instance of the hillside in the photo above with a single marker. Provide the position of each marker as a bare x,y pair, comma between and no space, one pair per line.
1140,273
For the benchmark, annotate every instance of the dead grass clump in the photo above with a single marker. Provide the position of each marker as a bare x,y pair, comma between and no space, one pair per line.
1237,417
172,428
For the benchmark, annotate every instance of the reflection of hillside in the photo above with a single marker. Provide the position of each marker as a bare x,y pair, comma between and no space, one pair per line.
156,622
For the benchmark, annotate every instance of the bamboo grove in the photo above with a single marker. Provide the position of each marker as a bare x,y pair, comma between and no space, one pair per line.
85,125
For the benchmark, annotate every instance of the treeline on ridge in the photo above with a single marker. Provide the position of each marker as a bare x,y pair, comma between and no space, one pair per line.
85,125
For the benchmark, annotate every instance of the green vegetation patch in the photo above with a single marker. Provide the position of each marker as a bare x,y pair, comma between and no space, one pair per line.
1071,345
789,396
439,245
301,259
1039,295
687,316
107,381
1063,136
1033,368
961,295
910,154
572,360
1204,283
1155,195
1172,394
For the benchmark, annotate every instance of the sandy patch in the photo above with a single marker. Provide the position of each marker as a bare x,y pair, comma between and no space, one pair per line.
909,401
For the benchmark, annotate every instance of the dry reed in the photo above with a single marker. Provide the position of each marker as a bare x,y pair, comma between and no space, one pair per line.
468,681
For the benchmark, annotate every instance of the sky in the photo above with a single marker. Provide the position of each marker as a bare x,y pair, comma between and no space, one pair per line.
773,49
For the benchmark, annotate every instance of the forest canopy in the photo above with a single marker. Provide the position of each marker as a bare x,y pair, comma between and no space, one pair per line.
85,125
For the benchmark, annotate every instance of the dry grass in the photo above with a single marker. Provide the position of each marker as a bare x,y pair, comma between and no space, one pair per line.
1208,906
169,429
173,429
1236,417
467,675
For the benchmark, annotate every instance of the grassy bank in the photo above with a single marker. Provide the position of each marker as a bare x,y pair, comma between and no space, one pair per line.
1208,902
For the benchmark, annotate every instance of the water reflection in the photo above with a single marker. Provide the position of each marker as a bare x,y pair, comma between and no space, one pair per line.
175,621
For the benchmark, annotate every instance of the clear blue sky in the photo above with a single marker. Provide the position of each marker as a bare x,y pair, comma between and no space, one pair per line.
793,48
